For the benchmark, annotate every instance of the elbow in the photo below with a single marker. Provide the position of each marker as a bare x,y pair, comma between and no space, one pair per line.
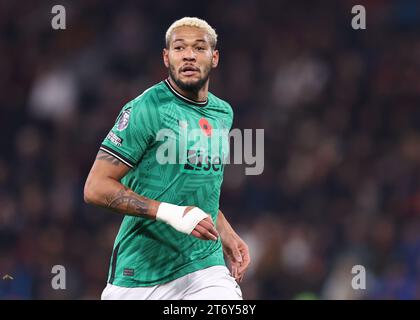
89,194
87,197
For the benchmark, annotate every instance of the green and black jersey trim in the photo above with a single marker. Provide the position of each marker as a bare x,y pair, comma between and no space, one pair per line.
184,98
117,155
114,263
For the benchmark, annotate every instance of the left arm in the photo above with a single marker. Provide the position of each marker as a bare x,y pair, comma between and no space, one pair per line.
234,247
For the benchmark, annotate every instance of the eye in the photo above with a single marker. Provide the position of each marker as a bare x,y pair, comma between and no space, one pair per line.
201,48
178,48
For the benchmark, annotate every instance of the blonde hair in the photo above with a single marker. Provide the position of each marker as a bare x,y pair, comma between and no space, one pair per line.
193,22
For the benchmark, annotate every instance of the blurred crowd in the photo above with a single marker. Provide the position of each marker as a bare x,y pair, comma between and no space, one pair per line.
340,109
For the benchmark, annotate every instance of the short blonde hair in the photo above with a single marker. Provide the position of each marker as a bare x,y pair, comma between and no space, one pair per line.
193,22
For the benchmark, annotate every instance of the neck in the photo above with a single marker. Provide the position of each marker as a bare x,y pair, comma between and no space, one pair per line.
199,96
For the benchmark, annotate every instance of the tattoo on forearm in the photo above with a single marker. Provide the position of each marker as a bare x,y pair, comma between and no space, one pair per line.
127,201
102,155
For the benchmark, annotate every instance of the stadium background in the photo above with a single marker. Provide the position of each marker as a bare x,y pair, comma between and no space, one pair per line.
340,109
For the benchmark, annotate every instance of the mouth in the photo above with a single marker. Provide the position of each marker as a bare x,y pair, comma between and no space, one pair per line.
189,70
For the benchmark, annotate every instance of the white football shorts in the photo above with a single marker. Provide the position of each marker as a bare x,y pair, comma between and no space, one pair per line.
213,283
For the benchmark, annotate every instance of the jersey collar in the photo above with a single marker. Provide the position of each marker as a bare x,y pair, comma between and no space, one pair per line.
184,98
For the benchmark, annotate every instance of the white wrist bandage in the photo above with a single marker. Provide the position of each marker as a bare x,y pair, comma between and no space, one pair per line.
173,215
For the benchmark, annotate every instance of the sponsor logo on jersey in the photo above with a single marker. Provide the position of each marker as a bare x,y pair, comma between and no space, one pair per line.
124,119
202,163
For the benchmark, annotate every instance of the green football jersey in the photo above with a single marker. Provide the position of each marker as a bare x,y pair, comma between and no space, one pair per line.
175,148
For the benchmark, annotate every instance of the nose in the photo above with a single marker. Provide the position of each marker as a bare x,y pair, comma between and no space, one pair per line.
189,54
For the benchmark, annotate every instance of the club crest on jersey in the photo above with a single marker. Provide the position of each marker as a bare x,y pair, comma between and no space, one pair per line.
205,126
123,121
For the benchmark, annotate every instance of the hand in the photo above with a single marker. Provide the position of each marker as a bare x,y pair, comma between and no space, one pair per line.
205,229
237,252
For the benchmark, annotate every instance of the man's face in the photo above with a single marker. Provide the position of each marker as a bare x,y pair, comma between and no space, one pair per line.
189,58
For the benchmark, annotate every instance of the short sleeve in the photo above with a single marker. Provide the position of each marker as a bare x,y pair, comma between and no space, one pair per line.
134,130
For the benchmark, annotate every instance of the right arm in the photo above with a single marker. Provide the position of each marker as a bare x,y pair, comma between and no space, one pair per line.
103,188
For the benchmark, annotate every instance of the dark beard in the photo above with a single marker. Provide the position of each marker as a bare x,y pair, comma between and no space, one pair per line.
189,87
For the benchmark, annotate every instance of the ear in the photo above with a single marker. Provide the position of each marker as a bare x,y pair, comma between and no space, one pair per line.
165,55
215,59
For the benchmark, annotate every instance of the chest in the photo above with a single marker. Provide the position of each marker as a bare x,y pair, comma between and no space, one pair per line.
196,139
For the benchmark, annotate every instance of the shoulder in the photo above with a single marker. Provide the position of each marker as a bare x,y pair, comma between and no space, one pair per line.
222,104
150,101
153,97
224,109
146,107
